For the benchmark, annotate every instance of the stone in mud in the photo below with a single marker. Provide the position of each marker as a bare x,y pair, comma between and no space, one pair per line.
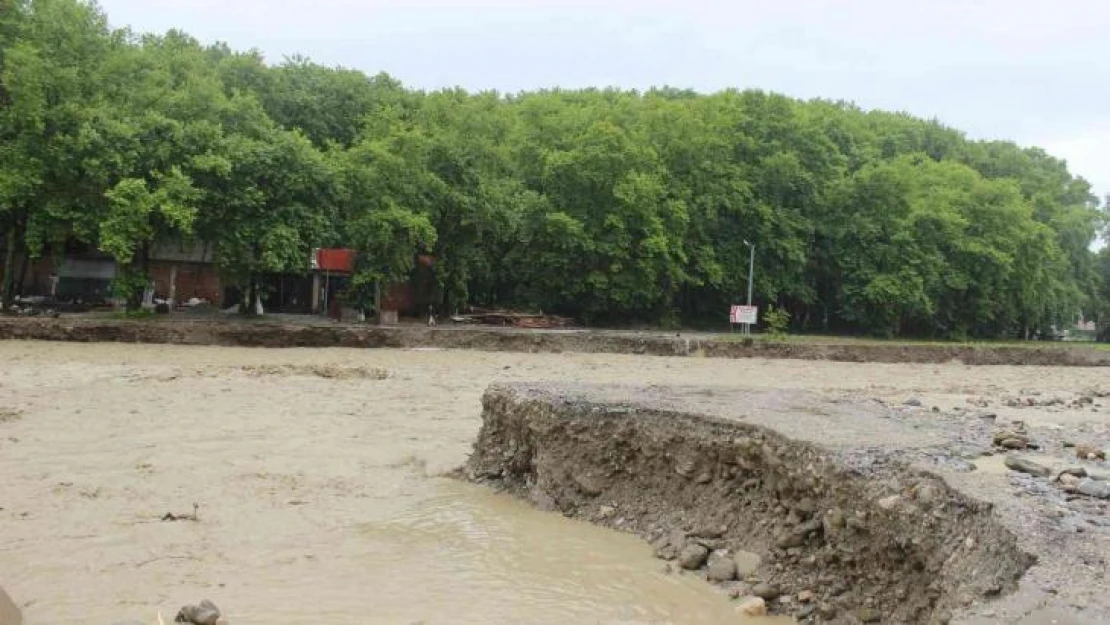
206,613
591,485
1013,443
747,563
926,494
1094,488
1022,465
1005,435
834,520
766,591
1073,471
722,569
805,596
913,402
685,467
752,607
827,611
790,540
9,612
805,508
869,615
666,551
889,503
1069,482
805,611
1084,451
693,556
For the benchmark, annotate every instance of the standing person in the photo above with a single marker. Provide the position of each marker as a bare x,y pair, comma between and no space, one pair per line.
431,316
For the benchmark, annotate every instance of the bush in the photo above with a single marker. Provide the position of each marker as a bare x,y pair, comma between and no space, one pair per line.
777,321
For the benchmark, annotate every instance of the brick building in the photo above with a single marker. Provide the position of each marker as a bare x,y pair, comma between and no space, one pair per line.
182,270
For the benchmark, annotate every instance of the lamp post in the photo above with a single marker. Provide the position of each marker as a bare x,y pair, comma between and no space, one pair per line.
751,274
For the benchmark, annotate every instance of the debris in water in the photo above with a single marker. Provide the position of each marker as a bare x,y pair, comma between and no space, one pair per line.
195,516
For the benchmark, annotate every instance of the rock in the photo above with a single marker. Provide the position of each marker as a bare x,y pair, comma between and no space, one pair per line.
693,556
666,551
590,485
1013,443
869,615
1007,435
1073,471
805,611
722,569
889,503
805,596
9,612
827,611
747,563
1069,482
685,467
710,531
790,540
834,520
926,493
1084,451
116,623
752,607
1027,466
814,526
766,591
1093,488
206,613
912,401
806,507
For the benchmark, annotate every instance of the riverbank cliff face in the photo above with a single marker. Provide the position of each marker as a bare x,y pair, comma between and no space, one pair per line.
845,522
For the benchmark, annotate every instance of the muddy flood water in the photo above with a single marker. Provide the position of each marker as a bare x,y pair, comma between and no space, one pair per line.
318,479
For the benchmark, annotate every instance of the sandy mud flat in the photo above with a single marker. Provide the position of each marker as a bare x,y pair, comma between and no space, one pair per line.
318,476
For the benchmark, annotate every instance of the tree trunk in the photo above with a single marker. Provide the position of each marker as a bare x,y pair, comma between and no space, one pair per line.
256,297
9,262
378,300
22,275
247,297
137,281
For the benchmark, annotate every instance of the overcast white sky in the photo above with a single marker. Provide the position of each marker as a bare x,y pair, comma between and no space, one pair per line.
1033,71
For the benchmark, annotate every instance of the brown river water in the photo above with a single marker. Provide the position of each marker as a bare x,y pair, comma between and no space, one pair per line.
320,488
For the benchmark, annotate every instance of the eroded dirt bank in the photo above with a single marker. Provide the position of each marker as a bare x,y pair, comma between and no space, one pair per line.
229,332
832,495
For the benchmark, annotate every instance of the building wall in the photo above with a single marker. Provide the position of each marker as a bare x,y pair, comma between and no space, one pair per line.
193,280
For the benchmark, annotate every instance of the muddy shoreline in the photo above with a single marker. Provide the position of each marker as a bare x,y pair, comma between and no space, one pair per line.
850,527
274,334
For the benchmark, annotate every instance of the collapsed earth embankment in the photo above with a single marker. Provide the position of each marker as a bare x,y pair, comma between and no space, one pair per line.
275,334
845,523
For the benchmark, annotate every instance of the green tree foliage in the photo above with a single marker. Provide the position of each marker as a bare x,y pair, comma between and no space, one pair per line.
609,205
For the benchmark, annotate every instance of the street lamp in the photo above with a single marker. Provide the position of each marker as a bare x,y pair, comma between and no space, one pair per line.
751,273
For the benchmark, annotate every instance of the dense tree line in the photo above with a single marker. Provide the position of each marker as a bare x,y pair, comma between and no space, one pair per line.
609,205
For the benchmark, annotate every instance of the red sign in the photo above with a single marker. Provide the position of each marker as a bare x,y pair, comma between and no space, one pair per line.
337,260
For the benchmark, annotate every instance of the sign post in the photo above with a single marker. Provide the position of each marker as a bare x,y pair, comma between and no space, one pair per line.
746,315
